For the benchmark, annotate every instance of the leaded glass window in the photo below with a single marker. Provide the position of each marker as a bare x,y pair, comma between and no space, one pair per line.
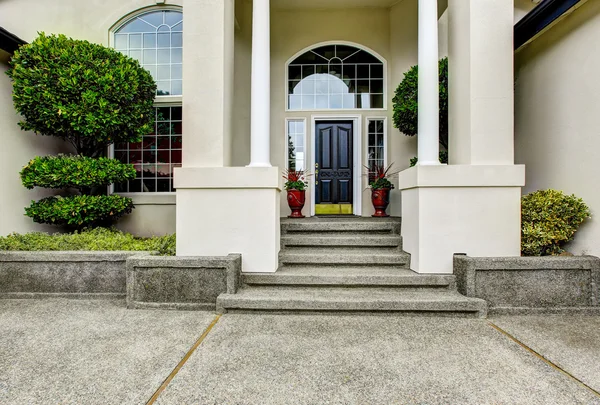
336,77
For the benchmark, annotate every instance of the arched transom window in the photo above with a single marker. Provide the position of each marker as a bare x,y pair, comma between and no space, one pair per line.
336,77
154,38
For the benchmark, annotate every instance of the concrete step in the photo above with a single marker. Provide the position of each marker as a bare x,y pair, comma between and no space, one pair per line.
349,277
295,300
337,225
345,257
340,240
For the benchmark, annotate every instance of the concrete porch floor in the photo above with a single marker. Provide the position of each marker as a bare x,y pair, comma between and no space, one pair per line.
97,352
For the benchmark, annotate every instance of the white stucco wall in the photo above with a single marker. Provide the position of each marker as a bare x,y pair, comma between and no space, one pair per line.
90,20
557,121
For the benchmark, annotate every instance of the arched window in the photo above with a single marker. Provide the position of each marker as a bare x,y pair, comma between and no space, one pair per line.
155,39
336,77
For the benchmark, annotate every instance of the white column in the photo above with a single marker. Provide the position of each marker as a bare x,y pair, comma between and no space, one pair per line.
428,130
260,129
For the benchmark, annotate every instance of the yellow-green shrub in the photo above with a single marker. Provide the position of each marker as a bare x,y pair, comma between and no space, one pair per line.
549,219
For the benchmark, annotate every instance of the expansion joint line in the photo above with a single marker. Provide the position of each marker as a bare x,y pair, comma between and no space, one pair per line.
545,360
183,361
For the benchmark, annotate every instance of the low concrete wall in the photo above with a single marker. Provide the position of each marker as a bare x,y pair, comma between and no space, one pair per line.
63,274
181,282
531,284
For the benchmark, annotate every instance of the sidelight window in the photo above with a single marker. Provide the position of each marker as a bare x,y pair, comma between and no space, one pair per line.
296,150
376,151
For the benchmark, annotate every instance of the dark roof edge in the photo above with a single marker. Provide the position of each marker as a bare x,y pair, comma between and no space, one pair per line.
9,42
539,18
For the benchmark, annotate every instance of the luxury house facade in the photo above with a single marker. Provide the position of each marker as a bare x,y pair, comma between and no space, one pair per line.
249,88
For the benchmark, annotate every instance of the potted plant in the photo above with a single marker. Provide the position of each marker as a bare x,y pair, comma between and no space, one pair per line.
295,185
380,188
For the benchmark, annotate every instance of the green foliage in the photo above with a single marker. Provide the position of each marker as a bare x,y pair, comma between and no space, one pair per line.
549,219
295,185
97,239
381,183
84,93
295,179
166,245
79,211
79,172
405,102
378,176
443,158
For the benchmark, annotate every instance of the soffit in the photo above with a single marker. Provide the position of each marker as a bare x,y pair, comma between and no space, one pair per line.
330,4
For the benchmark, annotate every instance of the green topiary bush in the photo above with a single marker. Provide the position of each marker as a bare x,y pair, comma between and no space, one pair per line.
87,94
405,104
90,96
549,219
80,172
98,239
79,211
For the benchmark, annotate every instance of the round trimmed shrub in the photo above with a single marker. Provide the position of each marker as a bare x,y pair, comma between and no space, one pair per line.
549,219
90,96
79,211
85,93
78,172
405,101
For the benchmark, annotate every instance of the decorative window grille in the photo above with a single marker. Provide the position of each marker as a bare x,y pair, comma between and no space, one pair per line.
336,77
155,157
155,39
296,135
376,151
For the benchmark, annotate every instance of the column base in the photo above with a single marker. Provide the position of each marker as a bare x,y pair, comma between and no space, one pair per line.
460,209
230,210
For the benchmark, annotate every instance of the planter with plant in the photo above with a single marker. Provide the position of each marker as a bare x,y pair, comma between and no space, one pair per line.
90,96
380,188
295,185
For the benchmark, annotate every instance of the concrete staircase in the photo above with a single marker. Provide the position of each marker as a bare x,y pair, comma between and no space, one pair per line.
347,265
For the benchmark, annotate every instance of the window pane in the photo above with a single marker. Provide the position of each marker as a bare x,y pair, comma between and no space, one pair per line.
177,39
155,157
135,41
296,143
149,40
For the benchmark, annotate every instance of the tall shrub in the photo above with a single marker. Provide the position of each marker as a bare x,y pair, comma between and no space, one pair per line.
549,219
405,103
90,96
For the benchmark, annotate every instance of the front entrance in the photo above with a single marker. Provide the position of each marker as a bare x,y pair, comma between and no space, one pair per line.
334,167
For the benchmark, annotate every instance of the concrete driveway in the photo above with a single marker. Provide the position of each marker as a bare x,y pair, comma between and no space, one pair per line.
57,351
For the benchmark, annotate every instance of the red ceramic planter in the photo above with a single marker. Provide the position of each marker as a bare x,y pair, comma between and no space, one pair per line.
381,199
296,200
